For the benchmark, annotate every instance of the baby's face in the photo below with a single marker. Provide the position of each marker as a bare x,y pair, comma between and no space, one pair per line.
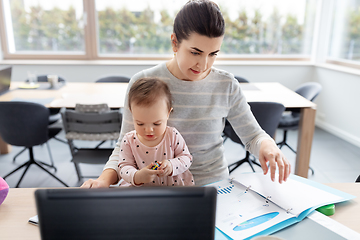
150,122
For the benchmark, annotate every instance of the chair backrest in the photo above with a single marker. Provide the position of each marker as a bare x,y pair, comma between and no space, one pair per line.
113,79
267,114
24,123
241,79
91,122
92,108
309,90
43,78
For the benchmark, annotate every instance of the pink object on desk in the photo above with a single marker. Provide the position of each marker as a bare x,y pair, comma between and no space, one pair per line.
4,189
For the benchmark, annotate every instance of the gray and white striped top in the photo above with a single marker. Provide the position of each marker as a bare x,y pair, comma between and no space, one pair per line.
200,109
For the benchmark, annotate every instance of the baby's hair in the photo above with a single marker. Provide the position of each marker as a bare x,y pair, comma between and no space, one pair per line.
200,16
145,91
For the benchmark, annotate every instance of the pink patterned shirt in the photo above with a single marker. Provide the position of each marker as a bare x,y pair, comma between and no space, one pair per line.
134,155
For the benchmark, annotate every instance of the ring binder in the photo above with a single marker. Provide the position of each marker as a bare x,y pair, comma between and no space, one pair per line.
284,206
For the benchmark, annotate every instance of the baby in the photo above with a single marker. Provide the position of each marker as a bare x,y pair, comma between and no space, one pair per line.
153,153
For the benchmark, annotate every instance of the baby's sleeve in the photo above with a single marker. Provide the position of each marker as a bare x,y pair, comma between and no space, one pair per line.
127,166
182,158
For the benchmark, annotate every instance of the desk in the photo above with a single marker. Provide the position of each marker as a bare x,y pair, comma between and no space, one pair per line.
113,94
19,206
75,92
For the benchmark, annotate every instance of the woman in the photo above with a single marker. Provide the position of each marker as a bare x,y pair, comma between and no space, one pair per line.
203,98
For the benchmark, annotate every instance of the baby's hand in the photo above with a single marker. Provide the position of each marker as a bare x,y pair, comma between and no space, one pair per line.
145,175
165,168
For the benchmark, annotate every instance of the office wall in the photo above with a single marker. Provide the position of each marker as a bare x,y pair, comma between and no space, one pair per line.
290,76
338,111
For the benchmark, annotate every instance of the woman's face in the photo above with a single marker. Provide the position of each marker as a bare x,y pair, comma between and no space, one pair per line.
194,57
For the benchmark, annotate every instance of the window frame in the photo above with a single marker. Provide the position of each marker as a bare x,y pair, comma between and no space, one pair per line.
91,46
38,55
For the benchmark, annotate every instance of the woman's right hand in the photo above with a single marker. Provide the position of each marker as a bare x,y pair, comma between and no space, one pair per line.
146,175
107,178
97,183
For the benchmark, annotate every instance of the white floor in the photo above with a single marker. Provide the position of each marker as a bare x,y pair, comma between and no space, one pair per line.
333,159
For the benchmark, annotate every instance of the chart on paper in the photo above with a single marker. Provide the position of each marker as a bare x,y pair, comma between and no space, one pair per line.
249,214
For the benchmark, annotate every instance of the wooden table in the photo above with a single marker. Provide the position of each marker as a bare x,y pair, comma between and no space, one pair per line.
114,93
19,206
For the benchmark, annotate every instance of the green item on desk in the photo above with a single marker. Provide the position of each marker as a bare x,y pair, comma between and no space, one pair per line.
327,210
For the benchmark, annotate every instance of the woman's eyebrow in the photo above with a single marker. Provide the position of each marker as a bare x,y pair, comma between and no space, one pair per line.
196,49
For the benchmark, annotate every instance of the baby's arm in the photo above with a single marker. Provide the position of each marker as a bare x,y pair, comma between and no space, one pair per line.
182,157
127,166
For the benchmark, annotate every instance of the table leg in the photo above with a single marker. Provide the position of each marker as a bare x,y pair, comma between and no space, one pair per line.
305,137
4,147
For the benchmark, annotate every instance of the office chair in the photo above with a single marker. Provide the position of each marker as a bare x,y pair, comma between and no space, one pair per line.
26,124
113,79
241,79
290,119
358,179
54,112
268,115
90,123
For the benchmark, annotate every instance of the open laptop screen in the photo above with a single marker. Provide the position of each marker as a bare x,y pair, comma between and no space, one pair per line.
127,213
5,79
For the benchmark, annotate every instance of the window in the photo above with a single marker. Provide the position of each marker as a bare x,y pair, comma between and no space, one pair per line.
44,27
140,29
345,36
272,27
135,27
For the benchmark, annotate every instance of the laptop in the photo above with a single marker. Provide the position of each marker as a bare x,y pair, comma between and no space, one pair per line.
5,80
127,213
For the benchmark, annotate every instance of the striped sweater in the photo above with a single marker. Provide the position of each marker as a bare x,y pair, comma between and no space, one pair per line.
200,109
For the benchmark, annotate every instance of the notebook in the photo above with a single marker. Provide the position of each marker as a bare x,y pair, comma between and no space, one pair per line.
127,213
5,80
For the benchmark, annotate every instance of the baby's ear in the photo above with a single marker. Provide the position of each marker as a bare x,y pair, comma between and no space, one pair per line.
170,112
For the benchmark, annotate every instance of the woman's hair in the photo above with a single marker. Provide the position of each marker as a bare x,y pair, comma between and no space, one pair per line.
200,16
146,91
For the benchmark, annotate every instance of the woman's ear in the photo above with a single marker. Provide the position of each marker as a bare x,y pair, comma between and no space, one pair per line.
174,42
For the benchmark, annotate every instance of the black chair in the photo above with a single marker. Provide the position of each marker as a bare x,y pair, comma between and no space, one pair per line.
90,123
358,179
241,79
268,115
113,79
290,119
26,124
54,112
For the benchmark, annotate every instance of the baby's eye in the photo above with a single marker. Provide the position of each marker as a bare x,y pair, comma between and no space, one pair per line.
140,124
157,124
